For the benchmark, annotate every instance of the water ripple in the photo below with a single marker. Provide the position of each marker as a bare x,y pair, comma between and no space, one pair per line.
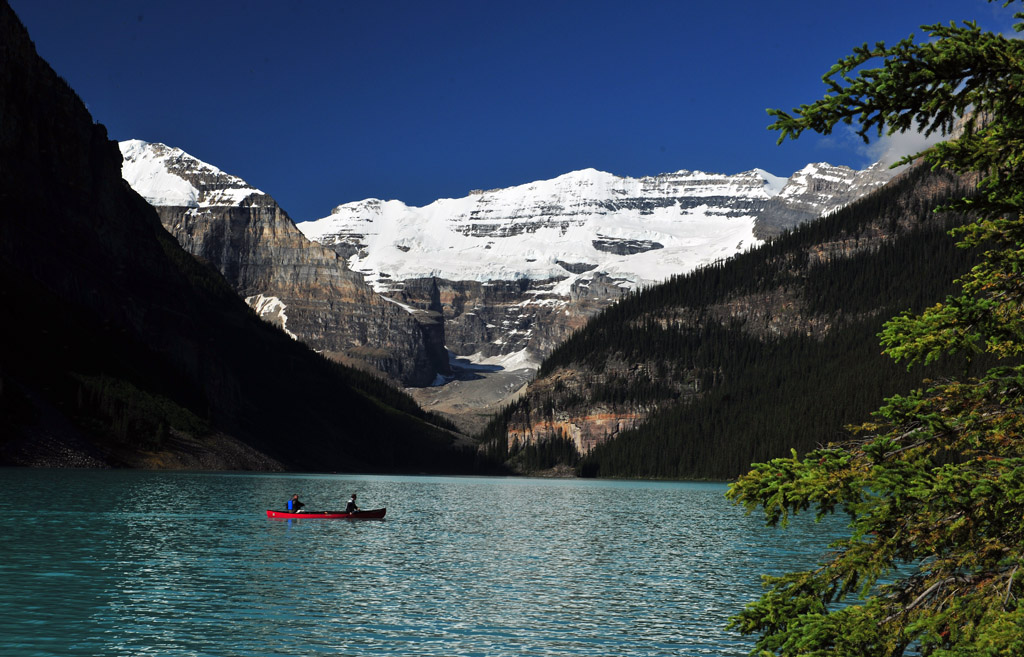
116,563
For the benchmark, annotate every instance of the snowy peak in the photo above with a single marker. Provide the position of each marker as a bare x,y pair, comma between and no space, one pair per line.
167,176
567,193
584,220
821,188
516,270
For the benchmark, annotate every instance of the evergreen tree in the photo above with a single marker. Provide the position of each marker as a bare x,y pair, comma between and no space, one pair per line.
934,484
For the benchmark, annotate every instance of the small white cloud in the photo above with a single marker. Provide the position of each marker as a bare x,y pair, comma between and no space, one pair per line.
890,148
886,149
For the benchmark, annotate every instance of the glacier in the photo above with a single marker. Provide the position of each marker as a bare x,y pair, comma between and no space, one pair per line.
566,228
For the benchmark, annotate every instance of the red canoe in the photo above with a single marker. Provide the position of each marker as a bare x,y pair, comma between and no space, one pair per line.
369,514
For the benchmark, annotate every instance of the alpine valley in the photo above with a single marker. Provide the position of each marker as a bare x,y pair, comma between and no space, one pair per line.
163,313
471,294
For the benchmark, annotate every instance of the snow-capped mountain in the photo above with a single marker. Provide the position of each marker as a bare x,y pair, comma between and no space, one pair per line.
520,268
636,230
166,176
498,278
299,285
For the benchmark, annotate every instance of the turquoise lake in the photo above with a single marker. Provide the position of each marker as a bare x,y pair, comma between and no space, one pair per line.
159,563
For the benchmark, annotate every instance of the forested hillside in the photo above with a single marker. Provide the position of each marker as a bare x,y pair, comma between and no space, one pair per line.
741,361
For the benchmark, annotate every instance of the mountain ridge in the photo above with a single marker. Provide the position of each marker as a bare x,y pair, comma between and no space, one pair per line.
506,275
559,205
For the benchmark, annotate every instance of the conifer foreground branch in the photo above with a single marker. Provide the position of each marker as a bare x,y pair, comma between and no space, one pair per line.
934,483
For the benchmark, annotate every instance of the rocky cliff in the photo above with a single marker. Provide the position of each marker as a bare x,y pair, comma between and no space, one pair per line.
304,288
815,191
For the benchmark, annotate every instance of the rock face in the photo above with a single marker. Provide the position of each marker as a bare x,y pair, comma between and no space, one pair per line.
817,190
302,287
492,319
540,419
569,403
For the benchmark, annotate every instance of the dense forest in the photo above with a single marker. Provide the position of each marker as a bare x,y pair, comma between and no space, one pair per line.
774,349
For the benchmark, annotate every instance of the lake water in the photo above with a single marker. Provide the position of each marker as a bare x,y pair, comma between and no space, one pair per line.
139,563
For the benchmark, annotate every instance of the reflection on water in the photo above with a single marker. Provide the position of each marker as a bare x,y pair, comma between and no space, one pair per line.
117,563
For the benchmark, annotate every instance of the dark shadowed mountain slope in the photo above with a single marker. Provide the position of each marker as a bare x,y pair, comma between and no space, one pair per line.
120,349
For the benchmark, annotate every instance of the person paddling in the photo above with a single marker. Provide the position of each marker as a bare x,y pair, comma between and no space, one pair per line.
294,505
351,506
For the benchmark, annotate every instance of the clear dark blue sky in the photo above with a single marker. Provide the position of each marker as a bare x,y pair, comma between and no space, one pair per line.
323,102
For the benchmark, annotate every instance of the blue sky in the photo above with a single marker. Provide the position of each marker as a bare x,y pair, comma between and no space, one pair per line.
324,102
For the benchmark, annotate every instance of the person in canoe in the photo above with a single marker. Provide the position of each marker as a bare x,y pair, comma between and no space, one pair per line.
294,504
351,506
